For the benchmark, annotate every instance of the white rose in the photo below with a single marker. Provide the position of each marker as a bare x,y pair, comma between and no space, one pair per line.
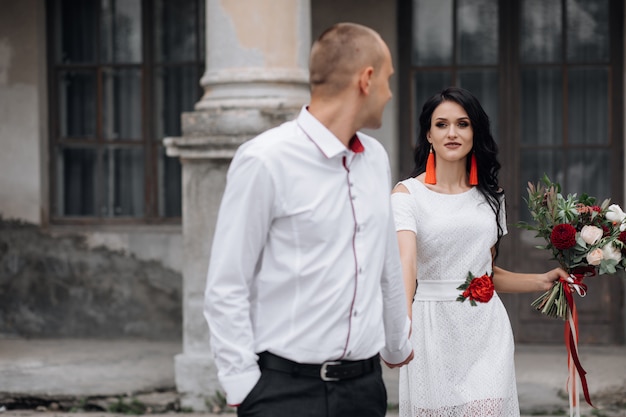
591,234
616,215
611,252
595,257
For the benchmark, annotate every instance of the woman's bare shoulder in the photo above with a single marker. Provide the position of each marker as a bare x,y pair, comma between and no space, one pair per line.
400,188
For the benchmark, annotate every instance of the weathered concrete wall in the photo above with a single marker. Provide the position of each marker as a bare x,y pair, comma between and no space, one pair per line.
59,287
163,243
83,291
22,64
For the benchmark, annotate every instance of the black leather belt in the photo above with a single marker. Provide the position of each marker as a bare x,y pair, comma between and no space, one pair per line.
327,371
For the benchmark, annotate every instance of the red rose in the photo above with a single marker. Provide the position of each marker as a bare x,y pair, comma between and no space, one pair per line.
563,236
480,289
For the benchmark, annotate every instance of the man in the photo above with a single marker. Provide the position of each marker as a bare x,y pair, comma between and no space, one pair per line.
304,287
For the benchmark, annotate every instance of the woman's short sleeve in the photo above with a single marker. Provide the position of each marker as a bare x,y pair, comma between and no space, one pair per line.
404,211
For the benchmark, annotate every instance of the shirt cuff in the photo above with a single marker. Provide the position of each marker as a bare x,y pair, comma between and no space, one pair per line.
401,353
238,386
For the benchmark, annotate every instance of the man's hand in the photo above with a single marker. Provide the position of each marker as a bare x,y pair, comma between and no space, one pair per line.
397,365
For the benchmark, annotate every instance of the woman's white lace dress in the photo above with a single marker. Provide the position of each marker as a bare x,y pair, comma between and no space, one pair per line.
463,363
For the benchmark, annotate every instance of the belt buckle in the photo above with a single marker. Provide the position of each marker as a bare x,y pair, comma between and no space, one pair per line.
324,369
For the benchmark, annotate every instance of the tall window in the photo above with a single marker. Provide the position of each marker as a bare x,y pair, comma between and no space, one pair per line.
549,73
546,72
566,79
120,73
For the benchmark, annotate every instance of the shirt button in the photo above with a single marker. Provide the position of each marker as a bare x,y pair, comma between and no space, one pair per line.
354,314
360,270
353,197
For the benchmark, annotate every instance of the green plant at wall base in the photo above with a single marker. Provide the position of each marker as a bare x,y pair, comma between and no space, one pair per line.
134,407
80,407
217,404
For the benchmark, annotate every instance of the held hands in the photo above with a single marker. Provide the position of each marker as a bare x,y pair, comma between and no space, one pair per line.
546,280
397,365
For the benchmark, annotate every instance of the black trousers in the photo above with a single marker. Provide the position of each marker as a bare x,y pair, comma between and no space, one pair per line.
280,394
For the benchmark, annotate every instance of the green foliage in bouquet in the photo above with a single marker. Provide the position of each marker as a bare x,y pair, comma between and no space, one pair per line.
585,238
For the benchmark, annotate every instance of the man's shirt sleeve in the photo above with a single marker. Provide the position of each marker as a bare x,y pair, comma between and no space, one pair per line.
243,223
395,317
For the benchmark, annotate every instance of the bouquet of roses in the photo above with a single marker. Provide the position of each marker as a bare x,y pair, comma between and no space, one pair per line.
586,239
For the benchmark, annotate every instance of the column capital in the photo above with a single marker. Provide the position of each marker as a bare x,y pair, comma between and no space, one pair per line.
215,132
254,75
205,147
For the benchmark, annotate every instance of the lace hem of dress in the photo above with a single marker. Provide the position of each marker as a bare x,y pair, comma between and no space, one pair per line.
496,407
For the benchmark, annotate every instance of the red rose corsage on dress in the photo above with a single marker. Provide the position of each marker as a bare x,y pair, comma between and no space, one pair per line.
476,289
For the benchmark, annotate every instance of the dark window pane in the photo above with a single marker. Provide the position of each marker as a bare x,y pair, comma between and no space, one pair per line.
170,190
587,173
123,182
77,104
75,38
484,85
584,171
588,30
121,31
541,31
432,32
121,106
429,83
176,30
76,181
588,106
542,107
477,22
533,165
176,91
99,94
202,30
426,85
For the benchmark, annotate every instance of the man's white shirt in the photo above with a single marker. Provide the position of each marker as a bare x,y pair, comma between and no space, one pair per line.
304,261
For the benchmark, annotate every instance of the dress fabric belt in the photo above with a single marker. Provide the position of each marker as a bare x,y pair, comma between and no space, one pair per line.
439,290
327,371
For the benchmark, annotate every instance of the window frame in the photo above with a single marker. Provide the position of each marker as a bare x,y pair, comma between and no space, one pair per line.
509,71
527,324
151,146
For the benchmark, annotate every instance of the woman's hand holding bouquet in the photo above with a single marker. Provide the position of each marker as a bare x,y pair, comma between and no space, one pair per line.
586,239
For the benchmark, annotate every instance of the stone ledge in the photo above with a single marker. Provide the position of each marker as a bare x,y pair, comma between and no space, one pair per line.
203,147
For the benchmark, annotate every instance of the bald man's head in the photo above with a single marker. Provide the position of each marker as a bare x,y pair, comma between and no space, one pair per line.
341,52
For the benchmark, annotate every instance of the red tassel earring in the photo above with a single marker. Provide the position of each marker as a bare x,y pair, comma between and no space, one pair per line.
473,174
431,176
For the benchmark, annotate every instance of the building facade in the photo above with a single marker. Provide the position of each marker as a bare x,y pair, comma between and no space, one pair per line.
118,118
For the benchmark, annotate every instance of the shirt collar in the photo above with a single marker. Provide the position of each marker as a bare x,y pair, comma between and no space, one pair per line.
323,138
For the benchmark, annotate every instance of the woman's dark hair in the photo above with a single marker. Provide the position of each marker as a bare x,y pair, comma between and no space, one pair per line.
485,147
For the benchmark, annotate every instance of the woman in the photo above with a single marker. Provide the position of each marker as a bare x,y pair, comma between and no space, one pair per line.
450,217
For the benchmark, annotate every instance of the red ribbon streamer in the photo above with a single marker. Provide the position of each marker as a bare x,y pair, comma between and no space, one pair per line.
570,341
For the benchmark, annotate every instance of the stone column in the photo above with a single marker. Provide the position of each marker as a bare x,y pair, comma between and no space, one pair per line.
256,78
